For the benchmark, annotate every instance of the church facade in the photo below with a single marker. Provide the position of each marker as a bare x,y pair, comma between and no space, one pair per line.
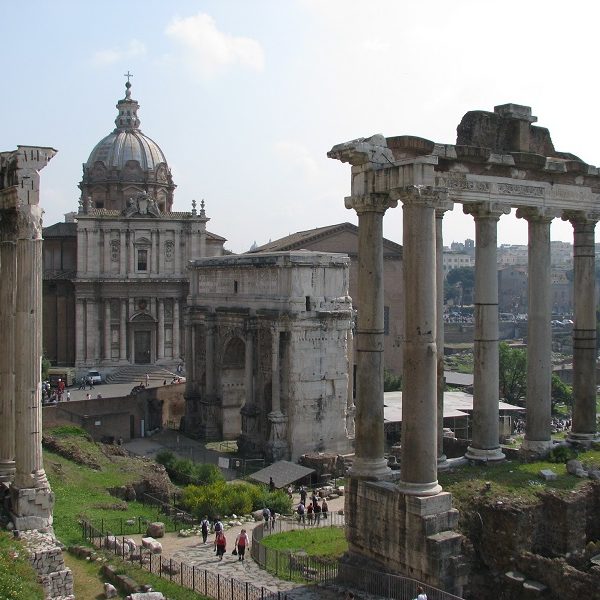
115,280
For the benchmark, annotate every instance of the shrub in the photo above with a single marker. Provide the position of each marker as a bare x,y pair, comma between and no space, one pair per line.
561,454
185,471
166,458
64,431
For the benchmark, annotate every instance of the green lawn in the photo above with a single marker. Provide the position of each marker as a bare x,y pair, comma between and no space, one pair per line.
319,541
17,578
511,479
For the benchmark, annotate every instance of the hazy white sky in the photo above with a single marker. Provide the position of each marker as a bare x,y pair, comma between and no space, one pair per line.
246,97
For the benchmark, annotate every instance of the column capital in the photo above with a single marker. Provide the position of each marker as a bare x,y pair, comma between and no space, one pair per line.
425,196
581,217
537,214
440,211
486,210
374,202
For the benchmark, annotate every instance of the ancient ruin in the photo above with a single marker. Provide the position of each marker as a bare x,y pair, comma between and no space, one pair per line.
269,335
500,161
22,475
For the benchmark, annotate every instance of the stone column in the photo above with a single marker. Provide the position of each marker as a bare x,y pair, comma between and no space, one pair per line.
584,428
79,331
277,446
153,251
249,368
161,251
92,332
8,271
539,338
485,442
131,251
176,330
106,250
350,408
210,357
419,396
369,461
161,329
439,340
123,332
31,497
107,338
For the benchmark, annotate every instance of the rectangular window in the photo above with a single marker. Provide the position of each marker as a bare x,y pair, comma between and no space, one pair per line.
142,260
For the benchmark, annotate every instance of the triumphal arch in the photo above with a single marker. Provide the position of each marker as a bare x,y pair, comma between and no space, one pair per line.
500,161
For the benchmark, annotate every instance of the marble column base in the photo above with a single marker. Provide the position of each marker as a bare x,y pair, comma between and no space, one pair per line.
408,488
442,463
479,454
31,508
540,447
583,439
370,468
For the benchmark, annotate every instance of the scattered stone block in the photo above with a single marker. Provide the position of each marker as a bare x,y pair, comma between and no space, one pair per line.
573,466
110,591
548,475
156,530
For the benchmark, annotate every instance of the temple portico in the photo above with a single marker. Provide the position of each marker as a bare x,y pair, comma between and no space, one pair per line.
500,162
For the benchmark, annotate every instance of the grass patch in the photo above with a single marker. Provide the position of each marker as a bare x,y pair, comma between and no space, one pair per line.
511,479
17,577
329,542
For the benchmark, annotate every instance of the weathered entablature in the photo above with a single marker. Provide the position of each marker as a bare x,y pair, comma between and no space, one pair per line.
500,162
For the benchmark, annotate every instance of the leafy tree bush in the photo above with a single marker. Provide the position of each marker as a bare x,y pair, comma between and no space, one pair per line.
184,470
391,382
220,499
65,431
561,454
561,392
165,458
513,373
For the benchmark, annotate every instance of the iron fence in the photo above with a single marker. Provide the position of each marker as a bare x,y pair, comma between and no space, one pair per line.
131,526
207,583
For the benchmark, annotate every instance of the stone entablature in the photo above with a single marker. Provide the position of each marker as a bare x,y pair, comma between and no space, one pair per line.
269,334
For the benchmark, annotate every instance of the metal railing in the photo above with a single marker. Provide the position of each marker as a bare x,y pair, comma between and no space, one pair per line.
191,577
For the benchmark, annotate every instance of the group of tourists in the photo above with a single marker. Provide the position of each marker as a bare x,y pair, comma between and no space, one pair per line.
56,395
242,541
314,511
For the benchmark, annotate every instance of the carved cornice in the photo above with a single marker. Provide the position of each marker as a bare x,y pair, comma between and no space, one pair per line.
378,203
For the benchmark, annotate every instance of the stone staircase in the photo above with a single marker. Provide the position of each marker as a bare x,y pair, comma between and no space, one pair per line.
133,373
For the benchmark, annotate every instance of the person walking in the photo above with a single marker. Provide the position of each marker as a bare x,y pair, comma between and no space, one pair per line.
300,510
317,511
68,396
309,513
421,595
303,495
242,542
220,544
266,516
204,526
324,508
147,380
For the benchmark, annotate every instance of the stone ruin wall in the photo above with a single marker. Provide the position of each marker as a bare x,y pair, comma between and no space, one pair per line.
549,543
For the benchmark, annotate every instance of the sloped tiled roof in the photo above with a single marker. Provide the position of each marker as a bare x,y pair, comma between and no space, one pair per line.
298,240
60,230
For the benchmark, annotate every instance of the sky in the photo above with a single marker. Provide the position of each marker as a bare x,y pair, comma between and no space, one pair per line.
245,97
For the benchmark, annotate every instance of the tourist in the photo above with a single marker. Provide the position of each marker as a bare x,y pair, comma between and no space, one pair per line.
309,512
204,525
324,508
272,518
82,383
317,511
300,510
242,542
302,495
218,526
220,544
421,595
88,396
271,485
68,396
266,515
290,491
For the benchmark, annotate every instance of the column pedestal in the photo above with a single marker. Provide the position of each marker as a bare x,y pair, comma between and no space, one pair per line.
277,446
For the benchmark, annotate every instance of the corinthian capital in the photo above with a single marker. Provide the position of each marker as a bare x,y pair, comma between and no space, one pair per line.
537,214
580,218
375,202
29,222
425,196
486,210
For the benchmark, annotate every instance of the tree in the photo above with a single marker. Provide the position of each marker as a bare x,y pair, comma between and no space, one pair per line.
513,373
561,392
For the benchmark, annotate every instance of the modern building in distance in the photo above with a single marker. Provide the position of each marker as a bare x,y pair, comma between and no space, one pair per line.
115,281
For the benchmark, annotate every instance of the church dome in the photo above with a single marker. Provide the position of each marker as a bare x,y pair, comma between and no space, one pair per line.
126,163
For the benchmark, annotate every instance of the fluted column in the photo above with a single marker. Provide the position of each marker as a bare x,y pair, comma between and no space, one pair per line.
539,338
122,253
123,331
161,329
210,357
369,461
439,338
106,251
419,390
584,428
485,442
92,332
249,368
176,330
8,272
153,263
275,379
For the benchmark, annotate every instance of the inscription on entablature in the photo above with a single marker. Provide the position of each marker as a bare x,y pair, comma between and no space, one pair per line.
513,189
458,181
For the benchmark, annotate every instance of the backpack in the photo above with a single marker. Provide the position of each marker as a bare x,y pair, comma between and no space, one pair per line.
300,509
218,526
